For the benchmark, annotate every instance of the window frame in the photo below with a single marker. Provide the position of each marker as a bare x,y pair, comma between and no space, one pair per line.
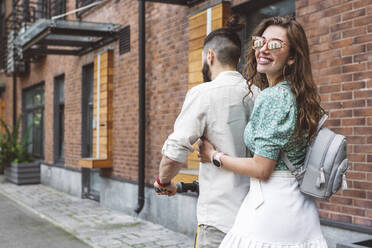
27,110
58,8
82,3
3,35
86,106
59,125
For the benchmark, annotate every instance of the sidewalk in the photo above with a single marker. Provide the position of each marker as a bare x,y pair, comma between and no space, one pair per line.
91,223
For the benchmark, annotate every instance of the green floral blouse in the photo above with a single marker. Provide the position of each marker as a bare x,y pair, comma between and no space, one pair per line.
272,124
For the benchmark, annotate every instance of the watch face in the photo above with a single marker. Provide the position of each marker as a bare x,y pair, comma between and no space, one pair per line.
216,163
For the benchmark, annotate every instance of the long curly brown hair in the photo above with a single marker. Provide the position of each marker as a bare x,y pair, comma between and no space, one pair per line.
299,74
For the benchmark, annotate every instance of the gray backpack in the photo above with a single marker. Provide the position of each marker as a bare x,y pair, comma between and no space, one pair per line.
324,169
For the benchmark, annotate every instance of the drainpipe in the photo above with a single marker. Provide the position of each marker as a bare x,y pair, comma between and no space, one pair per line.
141,105
14,6
14,99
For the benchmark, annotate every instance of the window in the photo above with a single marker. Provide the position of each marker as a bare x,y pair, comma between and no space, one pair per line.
254,12
40,10
97,103
33,119
82,3
58,8
87,111
2,35
2,105
59,119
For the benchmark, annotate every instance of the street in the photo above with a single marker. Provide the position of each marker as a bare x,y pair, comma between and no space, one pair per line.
19,228
86,220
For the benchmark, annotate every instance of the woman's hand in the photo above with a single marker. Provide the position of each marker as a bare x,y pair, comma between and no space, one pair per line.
206,149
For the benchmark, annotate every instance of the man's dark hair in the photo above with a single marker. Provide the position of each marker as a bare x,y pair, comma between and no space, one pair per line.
225,42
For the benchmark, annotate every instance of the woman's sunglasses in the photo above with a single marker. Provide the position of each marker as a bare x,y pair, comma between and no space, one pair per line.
272,44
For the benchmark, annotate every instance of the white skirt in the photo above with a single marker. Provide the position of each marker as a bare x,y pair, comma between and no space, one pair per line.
276,214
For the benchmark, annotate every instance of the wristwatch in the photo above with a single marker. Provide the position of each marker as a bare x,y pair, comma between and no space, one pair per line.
216,159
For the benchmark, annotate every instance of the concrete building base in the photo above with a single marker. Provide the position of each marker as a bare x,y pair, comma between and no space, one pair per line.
177,213
336,236
62,179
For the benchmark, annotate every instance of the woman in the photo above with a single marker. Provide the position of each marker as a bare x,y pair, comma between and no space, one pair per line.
284,119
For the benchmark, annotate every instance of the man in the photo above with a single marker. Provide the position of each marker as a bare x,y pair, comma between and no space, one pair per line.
217,110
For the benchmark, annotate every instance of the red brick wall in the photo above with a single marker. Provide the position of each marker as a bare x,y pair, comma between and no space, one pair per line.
340,38
166,67
166,83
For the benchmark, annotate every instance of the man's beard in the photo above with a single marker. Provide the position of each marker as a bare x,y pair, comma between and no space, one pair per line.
206,72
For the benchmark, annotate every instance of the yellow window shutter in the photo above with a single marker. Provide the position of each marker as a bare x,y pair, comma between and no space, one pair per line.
102,113
199,25
102,105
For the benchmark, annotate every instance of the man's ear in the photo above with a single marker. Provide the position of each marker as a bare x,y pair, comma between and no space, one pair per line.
211,56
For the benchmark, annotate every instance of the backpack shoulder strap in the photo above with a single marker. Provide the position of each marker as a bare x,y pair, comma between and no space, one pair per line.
298,173
283,155
321,122
288,163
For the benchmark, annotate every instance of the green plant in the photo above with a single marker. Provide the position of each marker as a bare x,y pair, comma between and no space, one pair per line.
13,148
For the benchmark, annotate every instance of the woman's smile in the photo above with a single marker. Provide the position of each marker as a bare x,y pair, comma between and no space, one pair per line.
262,60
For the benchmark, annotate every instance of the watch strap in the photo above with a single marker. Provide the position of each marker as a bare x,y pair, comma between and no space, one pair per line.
212,156
216,159
218,156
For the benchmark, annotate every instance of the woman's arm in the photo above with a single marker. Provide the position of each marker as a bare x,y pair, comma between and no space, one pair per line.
258,167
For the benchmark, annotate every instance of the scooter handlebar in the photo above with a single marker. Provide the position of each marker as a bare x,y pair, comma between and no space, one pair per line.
184,187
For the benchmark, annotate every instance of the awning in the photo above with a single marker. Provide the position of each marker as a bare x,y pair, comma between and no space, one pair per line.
178,2
65,37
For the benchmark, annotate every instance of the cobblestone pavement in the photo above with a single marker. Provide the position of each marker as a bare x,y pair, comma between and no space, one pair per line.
91,223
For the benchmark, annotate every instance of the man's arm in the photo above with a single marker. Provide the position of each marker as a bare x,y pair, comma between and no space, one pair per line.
188,128
168,169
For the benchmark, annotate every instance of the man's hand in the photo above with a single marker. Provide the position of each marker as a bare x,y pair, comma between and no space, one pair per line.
168,169
170,190
205,150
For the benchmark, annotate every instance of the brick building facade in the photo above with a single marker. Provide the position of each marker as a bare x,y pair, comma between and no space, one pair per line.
339,34
340,38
